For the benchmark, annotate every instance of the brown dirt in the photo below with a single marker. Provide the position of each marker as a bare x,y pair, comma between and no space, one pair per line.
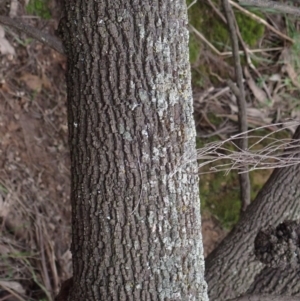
34,173
212,233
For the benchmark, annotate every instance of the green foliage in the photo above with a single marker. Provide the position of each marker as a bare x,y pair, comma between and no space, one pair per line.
251,30
39,8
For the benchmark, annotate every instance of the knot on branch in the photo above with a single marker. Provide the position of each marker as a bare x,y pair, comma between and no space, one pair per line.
279,247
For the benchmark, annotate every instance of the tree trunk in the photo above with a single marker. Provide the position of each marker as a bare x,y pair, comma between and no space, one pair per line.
232,266
136,230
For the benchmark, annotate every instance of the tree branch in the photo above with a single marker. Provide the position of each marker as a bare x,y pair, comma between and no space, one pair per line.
241,101
283,8
35,33
278,247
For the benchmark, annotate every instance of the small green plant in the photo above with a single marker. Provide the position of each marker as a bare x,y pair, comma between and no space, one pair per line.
39,8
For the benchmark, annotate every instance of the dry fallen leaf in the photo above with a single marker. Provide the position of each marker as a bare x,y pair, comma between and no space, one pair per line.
289,69
292,75
33,82
4,87
4,210
45,81
258,93
5,46
13,126
275,77
257,113
13,285
13,8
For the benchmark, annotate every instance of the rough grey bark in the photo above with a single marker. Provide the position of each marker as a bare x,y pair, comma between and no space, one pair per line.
232,266
277,282
266,298
136,230
278,248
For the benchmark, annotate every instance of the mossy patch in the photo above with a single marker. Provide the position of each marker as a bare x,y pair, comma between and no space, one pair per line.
204,19
251,30
38,8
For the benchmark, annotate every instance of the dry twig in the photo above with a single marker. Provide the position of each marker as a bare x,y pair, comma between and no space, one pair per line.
241,102
283,8
268,157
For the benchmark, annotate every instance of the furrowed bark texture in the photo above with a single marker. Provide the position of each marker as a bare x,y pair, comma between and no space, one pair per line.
277,282
135,200
278,248
232,267
266,298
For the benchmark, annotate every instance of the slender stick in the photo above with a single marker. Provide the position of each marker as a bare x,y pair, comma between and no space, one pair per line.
279,7
241,102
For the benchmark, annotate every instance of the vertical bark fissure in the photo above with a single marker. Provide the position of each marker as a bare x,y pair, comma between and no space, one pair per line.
135,203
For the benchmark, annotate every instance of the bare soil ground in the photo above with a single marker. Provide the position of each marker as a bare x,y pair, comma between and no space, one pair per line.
34,175
212,233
